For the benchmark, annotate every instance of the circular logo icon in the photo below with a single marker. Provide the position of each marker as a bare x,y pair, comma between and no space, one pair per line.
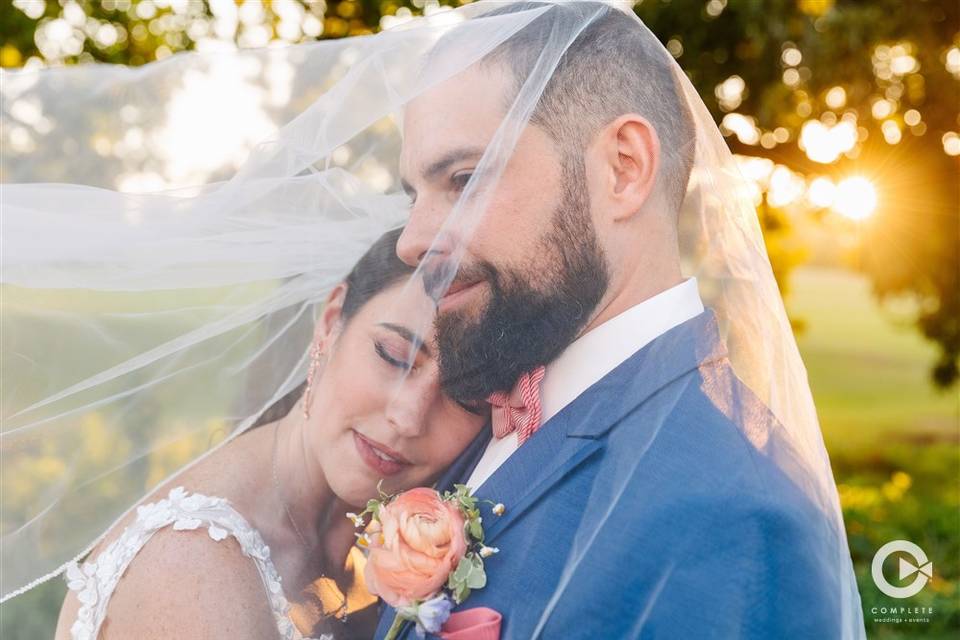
921,567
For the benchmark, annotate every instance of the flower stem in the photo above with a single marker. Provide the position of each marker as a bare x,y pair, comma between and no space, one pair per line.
394,628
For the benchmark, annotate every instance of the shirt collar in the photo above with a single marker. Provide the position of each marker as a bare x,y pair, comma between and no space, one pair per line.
598,352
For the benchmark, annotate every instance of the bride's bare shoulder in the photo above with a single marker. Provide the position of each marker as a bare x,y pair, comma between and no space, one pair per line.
180,584
183,584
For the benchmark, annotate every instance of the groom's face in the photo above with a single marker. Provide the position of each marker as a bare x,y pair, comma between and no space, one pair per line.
531,270
446,131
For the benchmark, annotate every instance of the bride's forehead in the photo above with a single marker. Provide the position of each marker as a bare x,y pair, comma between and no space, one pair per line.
405,304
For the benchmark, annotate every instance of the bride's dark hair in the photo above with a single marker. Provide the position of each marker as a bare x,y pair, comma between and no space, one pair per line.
378,269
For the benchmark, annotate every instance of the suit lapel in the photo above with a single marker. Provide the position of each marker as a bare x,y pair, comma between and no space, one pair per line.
464,465
536,466
575,434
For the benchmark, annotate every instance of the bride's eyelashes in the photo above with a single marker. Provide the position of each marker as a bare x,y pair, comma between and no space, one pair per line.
391,357
396,358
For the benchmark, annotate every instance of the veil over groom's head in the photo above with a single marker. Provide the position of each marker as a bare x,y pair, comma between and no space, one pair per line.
582,222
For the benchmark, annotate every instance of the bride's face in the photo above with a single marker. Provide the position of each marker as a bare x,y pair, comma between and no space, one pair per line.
375,417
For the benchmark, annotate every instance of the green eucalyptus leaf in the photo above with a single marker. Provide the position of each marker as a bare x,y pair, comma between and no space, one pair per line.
477,578
461,594
462,571
476,530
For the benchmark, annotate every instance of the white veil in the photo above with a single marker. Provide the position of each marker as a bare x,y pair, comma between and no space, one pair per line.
169,231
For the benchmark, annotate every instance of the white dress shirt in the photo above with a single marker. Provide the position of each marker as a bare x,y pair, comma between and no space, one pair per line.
595,354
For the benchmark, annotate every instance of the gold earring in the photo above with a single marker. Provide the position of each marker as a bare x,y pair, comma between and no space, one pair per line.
315,353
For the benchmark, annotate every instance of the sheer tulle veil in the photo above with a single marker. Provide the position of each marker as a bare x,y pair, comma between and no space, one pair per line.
169,232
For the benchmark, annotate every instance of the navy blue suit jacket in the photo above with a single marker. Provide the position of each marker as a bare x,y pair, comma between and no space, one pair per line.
651,507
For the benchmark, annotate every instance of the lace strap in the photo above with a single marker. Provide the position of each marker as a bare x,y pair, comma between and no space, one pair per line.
95,581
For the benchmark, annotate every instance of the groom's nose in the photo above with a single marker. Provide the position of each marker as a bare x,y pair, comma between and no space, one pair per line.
413,243
420,235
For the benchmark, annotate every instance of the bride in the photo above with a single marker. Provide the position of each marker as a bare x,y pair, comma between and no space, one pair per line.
224,545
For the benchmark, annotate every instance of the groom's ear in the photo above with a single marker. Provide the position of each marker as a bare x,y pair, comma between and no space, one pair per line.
330,322
629,150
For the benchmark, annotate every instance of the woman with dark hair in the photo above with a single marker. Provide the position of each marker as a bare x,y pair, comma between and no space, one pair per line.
269,508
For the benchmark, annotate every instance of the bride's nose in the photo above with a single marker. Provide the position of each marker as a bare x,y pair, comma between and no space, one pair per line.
407,410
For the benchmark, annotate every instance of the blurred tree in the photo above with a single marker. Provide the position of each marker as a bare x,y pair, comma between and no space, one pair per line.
889,67
826,88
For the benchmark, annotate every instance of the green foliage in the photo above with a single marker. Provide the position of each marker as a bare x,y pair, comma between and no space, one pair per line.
33,614
893,441
469,575
912,245
882,501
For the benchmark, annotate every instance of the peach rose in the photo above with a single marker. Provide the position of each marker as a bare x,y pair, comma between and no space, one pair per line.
419,541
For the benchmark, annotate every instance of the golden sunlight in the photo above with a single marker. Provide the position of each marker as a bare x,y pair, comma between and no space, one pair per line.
824,143
855,198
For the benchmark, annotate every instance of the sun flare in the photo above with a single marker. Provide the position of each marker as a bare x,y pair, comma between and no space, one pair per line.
855,198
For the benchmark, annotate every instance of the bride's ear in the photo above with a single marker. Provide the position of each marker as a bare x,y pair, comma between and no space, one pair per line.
331,318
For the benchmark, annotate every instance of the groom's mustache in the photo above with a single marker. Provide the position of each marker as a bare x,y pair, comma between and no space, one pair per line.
444,277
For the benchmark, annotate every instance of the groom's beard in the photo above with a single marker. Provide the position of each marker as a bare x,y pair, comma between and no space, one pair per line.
525,325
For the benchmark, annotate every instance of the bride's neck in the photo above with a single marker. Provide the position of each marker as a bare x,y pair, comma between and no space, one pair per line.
302,520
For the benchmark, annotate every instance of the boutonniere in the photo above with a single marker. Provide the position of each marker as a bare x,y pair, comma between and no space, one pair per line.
426,553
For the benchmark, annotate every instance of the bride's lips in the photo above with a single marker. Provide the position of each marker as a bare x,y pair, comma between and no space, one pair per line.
382,459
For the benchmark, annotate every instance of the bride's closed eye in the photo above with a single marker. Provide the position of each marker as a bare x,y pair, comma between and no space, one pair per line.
399,348
399,359
392,356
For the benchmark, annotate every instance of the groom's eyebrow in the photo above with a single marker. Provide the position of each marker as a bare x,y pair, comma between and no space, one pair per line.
438,167
407,335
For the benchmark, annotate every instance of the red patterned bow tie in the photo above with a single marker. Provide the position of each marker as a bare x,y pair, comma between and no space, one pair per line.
520,409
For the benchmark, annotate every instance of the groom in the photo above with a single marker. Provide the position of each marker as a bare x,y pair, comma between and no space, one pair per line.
637,506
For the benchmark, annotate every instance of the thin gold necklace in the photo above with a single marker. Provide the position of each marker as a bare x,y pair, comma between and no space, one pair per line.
276,486
296,529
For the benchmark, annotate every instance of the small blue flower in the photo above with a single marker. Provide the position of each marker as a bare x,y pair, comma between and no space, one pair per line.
432,614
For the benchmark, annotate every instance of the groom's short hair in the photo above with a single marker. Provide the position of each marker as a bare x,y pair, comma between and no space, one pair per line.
614,66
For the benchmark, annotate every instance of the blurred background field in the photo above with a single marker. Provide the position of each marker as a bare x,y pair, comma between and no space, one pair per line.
843,113
892,436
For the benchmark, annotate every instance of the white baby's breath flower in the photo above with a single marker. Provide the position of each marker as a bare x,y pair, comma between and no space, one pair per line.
486,552
499,509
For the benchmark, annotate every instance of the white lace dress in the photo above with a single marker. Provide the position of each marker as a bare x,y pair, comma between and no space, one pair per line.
95,581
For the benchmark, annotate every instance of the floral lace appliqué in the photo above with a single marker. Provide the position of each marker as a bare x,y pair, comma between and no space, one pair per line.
95,581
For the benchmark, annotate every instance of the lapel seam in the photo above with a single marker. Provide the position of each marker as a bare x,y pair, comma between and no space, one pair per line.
642,401
520,508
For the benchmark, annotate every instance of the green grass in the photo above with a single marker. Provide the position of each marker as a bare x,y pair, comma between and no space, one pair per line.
893,439
867,366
